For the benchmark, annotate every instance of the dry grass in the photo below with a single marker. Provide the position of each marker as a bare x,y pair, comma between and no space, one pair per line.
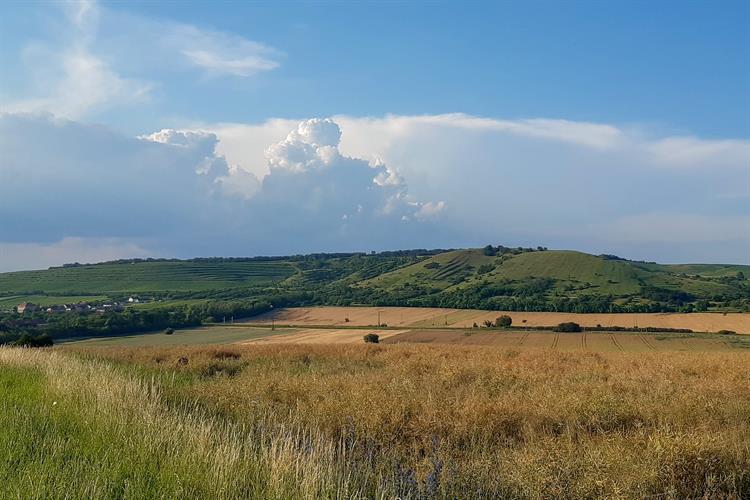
423,317
93,431
475,422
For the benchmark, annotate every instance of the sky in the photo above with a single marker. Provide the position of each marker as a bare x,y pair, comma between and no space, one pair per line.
237,129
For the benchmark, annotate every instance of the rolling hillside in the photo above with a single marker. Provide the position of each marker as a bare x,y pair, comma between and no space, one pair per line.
538,280
152,276
571,271
490,278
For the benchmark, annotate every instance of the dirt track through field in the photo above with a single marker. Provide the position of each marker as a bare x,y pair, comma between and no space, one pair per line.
615,342
555,341
427,317
523,339
647,342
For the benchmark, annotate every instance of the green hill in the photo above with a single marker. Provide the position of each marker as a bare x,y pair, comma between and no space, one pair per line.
558,275
570,270
489,278
152,276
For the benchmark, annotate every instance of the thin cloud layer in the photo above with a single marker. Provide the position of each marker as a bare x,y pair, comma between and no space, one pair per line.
100,59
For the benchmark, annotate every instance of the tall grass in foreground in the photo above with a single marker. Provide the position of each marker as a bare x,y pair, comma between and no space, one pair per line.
82,429
373,421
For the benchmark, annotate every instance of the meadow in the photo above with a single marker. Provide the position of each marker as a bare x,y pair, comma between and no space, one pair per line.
372,421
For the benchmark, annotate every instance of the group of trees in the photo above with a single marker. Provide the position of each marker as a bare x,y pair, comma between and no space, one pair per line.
491,251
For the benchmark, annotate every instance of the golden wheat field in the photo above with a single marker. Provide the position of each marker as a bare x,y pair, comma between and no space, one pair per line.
457,421
417,317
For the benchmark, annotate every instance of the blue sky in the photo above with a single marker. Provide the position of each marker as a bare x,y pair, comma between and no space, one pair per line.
639,110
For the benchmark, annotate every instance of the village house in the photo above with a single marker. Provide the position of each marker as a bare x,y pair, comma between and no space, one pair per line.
26,307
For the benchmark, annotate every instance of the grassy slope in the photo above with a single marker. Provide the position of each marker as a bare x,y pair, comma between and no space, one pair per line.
453,267
577,271
146,276
9,302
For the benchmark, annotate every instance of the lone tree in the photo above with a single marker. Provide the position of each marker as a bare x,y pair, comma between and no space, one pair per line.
372,338
504,321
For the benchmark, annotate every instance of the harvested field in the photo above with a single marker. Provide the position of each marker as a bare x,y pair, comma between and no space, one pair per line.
579,342
357,316
418,317
698,322
323,336
187,336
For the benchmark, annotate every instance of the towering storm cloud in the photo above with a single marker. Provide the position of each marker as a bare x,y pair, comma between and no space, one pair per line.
170,193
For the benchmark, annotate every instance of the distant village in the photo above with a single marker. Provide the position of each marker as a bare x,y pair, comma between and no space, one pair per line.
78,307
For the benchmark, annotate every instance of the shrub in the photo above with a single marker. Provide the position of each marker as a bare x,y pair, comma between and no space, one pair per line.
43,340
372,338
504,321
28,340
487,323
169,331
568,327
727,332
485,268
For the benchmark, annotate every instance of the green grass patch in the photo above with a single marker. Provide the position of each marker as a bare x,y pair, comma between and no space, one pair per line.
10,302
